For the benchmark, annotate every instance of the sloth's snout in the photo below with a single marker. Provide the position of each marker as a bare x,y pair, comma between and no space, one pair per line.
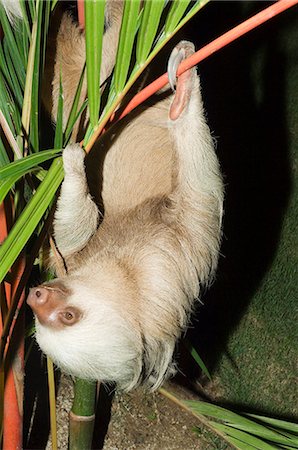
37,297
48,302
43,302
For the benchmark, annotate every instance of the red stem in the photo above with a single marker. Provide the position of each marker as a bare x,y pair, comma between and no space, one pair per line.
13,411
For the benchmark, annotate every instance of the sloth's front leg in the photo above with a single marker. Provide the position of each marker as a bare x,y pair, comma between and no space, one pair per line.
76,216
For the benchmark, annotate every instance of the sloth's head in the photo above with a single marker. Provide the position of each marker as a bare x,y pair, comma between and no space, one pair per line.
85,329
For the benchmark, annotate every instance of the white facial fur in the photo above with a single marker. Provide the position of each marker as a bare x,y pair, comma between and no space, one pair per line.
101,345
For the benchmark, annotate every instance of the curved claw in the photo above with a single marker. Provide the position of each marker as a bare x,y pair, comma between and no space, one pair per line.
176,57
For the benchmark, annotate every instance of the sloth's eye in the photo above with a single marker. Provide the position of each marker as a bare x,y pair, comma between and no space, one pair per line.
70,316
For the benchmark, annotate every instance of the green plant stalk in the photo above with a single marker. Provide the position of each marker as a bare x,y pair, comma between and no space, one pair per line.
82,415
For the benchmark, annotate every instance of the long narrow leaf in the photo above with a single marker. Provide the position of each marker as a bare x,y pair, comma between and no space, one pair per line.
24,165
176,12
35,94
237,421
276,423
58,142
126,40
149,24
197,358
94,26
118,94
9,36
74,108
30,217
245,438
3,155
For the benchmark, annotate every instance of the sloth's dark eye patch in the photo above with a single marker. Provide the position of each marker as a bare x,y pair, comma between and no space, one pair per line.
70,316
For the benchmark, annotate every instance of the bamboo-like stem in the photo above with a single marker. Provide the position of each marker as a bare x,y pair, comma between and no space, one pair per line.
82,415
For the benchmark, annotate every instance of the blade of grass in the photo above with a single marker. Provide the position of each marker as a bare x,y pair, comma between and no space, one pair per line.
197,358
94,26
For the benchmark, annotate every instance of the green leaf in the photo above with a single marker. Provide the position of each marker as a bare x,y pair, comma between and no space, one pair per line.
11,42
237,421
176,13
149,25
3,155
35,94
94,26
245,438
239,444
126,40
197,358
24,165
59,120
74,108
30,217
276,423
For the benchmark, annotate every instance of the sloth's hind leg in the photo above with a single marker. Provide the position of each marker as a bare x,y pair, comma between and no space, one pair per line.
76,216
197,197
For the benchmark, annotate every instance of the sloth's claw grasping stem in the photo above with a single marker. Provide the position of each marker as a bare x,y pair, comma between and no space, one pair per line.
176,57
184,84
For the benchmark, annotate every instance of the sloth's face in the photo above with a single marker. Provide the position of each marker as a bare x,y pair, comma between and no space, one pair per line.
83,331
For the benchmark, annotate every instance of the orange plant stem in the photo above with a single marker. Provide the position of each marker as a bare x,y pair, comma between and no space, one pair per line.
13,382
81,14
209,49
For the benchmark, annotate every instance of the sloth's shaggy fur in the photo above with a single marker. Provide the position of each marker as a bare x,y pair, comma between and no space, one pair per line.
141,247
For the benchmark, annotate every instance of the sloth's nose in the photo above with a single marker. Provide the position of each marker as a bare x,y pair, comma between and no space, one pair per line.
37,297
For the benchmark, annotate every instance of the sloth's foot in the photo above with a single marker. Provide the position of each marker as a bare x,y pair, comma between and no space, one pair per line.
73,160
184,82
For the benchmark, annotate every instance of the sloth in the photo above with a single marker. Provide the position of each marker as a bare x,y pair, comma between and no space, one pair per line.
134,273
138,222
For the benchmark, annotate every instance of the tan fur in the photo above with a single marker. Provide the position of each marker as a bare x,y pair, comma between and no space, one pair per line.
66,58
140,245
157,244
